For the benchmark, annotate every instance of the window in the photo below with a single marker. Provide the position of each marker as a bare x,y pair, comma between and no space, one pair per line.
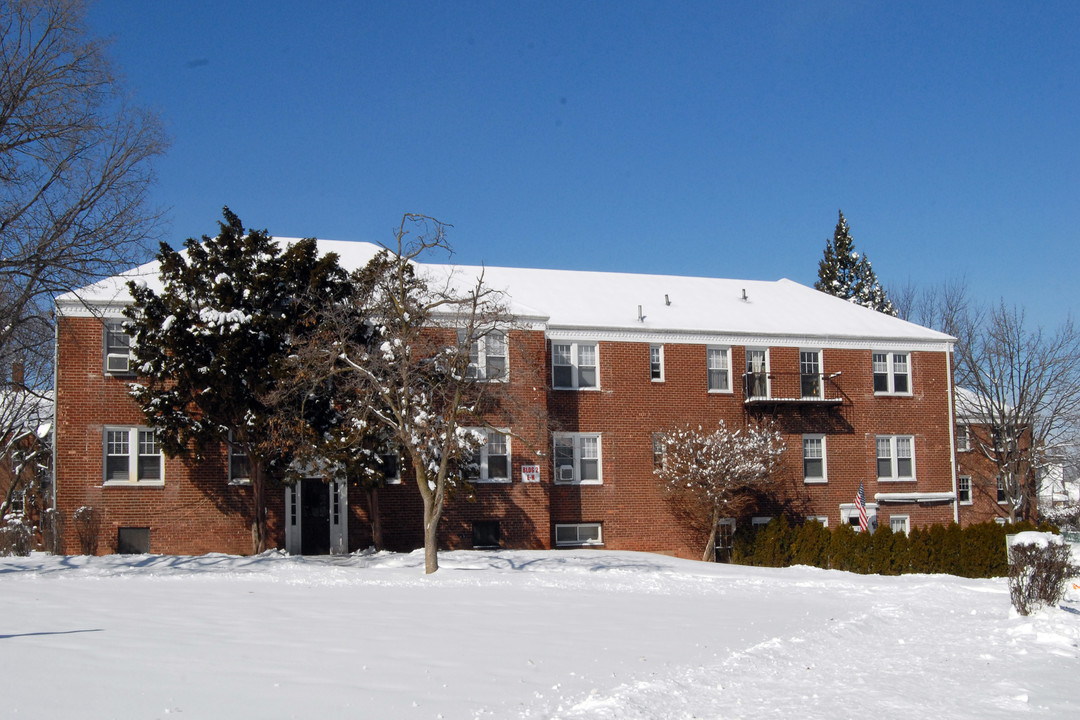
891,373
573,365
579,534
963,438
491,461
390,464
239,467
810,373
132,455
719,373
725,540
132,540
759,522
757,373
658,450
849,515
900,524
963,490
823,519
896,457
656,363
117,348
813,450
1001,491
486,534
577,458
487,355
1001,521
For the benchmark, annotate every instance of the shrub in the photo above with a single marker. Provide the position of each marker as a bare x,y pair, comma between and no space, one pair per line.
1038,574
16,536
772,544
810,545
87,528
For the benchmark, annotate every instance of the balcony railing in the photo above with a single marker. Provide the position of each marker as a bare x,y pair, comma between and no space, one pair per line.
791,387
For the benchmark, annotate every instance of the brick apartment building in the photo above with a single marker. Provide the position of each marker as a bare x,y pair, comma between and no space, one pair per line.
608,361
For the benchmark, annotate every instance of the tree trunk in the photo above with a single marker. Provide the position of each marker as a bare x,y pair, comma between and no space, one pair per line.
375,517
710,547
432,514
258,523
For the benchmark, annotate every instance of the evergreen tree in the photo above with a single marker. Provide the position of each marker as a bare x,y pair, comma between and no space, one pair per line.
210,347
845,273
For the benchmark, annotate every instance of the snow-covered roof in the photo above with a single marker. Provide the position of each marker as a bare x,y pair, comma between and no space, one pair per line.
605,305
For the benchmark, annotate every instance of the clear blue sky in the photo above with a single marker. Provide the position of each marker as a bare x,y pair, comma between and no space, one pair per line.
693,138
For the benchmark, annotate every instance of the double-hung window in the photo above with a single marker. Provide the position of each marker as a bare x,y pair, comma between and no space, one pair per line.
390,466
577,458
814,459
239,465
963,490
487,355
963,437
900,523
656,363
718,369
133,455
810,380
491,461
892,373
573,365
895,457
117,348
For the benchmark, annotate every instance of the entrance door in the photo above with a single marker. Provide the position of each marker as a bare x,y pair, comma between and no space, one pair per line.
316,517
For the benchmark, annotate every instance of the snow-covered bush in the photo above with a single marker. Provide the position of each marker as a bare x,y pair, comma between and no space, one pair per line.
1039,567
16,536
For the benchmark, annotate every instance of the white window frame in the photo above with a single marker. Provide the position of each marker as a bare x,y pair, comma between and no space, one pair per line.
849,515
118,356
893,443
962,480
823,519
760,521
577,352
482,350
713,351
581,446
134,442
765,370
819,361
578,528
890,371
232,452
824,461
656,363
483,457
904,521
963,430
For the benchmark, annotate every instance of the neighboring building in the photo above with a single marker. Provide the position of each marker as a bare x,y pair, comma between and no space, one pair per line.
26,460
607,361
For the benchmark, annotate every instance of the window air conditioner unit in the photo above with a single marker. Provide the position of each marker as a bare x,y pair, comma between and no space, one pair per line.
118,363
566,473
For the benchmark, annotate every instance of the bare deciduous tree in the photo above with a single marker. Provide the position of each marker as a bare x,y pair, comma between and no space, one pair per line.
709,474
74,175
415,379
1025,386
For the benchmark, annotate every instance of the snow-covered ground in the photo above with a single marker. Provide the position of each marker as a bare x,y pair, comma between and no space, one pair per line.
518,635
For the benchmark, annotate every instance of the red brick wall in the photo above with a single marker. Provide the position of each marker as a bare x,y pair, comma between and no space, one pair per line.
197,511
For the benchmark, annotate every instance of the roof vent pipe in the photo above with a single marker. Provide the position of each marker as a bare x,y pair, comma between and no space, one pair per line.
640,317
744,297
667,300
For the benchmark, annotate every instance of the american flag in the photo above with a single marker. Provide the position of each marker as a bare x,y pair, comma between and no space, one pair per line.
860,503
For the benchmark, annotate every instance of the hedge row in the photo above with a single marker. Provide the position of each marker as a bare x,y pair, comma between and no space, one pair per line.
973,551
